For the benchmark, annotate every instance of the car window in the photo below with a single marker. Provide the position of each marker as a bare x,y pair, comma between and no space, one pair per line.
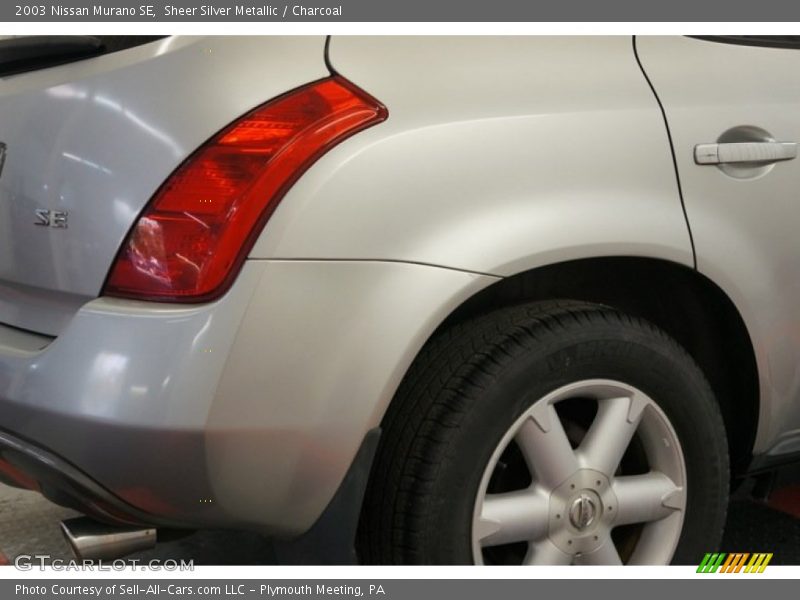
20,54
769,41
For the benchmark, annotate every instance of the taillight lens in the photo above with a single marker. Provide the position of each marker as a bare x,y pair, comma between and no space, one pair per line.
195,233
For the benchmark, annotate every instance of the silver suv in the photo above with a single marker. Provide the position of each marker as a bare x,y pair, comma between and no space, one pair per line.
521,300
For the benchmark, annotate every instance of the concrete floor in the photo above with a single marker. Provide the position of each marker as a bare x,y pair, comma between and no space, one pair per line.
29,525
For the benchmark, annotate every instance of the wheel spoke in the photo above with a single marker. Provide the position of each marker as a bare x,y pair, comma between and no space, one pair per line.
546,552
605,555
512,517
645,498
545,446
611,432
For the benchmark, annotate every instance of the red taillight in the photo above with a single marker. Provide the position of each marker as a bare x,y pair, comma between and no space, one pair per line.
192,238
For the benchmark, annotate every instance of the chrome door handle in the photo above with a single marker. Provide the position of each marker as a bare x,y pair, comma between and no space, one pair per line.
744,152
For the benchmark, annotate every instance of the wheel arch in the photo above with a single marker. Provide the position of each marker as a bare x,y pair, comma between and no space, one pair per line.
684,303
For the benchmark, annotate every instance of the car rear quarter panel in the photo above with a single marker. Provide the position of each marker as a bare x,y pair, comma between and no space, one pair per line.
499,155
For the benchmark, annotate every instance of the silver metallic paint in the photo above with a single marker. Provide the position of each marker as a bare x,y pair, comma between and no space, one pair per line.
318,357
124,393
499,155
745,230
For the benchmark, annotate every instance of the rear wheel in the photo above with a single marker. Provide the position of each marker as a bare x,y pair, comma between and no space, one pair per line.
554,433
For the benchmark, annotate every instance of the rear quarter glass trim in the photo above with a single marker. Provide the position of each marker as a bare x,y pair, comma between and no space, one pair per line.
23,54
765,41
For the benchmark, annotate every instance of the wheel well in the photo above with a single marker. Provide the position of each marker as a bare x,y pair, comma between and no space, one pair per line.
681,301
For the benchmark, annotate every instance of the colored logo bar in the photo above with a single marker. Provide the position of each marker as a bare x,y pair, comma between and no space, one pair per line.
734,562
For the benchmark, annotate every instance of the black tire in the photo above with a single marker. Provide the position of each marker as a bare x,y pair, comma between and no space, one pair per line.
464,391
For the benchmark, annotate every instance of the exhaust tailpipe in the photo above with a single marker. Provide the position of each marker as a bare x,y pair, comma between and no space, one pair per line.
92,540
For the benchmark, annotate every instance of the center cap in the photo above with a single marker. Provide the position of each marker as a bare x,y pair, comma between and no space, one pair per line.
583,511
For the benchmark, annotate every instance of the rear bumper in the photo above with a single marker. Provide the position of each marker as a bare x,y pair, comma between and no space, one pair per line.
242,413
122,396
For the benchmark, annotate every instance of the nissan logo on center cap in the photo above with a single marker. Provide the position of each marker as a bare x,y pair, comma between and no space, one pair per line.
582,512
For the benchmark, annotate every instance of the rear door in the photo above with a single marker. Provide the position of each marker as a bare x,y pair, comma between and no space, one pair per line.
733,110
